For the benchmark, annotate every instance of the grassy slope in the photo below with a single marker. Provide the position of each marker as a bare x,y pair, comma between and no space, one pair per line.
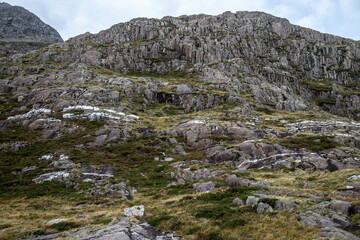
27,206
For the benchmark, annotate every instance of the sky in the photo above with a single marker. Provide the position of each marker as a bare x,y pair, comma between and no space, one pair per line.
74,17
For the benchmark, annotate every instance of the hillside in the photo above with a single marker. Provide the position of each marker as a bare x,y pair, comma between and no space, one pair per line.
22,31
236,126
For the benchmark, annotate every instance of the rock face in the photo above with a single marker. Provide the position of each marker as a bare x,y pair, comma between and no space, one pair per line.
22,31
272,55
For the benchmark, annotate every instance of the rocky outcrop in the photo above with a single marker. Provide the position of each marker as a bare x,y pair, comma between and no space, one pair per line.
22,31
272,57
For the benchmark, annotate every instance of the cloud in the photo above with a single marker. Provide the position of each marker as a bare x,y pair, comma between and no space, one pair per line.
70,18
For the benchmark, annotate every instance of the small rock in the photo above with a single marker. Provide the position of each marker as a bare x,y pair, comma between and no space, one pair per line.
310,185
80,216
138,210
252,201
238,201
54,221
264,207
27,169
168,159
171,184
173,141
204,187
240,170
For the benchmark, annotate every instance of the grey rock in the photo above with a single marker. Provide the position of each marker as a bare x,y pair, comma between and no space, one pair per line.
263,207
238,201
285,206
183,88
54,176
22,31
252,201
124,229
45,237
234,181
204,187
27,169
54,221
310,185
135,211
343,207
336,233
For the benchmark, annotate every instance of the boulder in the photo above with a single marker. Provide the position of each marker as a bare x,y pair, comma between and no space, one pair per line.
252,201
234,181
138,210
343,207
238,201
263,207
204,187
183,88
285,206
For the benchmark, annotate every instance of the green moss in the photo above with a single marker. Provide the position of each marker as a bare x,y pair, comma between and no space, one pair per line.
234,223
157,60
156,220
64,226
324,101
324,85
227,196
310,142
265,110
212,235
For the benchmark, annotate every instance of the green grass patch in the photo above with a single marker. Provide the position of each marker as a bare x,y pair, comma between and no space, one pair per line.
156,220
227,196
324,85
64,226
265,110
310,142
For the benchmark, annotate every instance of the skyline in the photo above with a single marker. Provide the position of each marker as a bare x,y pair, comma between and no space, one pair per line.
69,18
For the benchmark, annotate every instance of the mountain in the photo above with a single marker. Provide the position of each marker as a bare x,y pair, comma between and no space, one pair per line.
236,126
22,31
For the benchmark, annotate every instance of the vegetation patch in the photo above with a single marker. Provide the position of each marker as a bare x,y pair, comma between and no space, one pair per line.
64,226
308,141
324,85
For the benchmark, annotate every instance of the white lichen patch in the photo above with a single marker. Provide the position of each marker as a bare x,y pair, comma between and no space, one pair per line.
46,157
30,114
97,114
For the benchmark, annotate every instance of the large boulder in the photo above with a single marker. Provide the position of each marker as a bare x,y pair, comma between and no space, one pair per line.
204,187
343,207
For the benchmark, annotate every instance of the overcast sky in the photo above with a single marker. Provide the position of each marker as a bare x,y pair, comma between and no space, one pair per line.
74,17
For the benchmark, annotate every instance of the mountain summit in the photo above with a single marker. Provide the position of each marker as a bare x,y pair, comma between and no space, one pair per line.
21,26
236,126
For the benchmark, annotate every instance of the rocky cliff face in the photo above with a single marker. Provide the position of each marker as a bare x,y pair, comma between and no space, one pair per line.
202,122
284,66
21,31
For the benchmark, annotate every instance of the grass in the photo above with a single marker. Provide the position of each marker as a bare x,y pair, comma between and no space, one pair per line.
324,85
308,141
28,206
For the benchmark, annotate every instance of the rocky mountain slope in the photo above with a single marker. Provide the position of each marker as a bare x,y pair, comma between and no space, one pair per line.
237,126
22,31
